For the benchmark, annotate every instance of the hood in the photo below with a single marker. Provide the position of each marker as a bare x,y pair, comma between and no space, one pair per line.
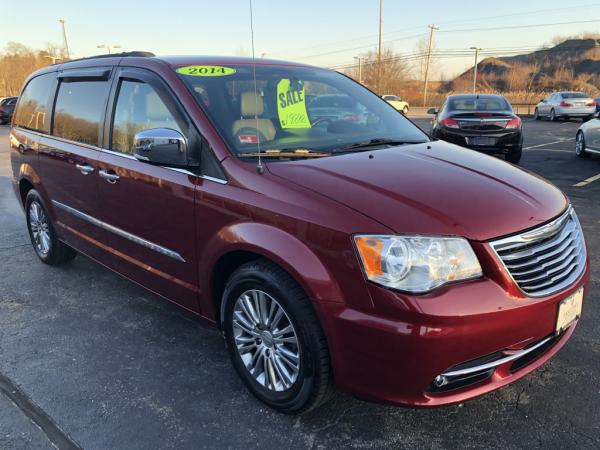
432,188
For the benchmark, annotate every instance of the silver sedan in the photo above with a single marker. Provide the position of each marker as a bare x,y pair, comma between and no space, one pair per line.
565,105
587,140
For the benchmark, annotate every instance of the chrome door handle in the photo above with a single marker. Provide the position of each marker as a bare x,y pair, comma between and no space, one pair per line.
85,169
111,177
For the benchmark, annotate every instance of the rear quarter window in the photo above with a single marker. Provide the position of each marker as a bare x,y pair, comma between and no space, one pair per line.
33,110
79,111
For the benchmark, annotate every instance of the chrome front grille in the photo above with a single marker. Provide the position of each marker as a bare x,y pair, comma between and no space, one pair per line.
546,259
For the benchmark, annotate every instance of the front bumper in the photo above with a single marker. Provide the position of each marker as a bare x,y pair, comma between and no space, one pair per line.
393,355
504,140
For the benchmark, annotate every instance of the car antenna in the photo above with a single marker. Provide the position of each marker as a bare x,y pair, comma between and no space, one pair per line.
259,167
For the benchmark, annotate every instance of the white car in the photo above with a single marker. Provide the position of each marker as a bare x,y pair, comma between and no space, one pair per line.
397,103
564,105
587,140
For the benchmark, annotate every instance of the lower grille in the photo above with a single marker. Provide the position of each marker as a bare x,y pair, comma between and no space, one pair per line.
479,369
546,259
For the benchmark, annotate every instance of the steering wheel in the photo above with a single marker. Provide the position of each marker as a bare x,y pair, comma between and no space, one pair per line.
322,120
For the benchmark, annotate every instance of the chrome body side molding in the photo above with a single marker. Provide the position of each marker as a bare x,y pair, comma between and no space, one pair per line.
119,232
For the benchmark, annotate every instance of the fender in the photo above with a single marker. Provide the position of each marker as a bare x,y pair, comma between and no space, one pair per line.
280,247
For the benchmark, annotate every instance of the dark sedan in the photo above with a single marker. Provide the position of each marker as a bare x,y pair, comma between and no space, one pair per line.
481,122
7,106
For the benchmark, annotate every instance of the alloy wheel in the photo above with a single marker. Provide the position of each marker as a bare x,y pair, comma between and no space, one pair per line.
40,229
579,144
266,340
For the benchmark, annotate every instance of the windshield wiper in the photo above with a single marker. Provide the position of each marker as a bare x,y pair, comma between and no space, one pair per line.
375,143
285,153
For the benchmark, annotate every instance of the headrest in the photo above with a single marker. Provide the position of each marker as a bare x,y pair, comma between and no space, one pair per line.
250,105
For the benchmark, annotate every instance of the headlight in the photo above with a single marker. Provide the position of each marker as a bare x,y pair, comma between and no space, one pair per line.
416,263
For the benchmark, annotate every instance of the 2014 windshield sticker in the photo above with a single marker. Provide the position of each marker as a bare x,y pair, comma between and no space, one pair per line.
206,71
291,104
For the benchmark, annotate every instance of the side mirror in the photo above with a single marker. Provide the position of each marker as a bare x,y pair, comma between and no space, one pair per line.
161,146
433,111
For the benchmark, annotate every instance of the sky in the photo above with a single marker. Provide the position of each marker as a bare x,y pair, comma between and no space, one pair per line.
327,33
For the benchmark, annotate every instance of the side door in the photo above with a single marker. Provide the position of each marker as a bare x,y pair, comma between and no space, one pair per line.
592,134
544,107
148,209
69,158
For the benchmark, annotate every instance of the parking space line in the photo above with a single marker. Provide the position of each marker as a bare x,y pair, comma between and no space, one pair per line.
587,181
546,143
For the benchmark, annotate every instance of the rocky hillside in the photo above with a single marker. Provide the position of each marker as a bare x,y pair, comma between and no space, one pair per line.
572,64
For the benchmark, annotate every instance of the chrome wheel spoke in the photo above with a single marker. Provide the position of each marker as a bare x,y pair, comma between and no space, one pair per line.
266,340
249,310
282,372
38,224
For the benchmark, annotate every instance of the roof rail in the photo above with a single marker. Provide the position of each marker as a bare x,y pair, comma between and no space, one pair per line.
114,55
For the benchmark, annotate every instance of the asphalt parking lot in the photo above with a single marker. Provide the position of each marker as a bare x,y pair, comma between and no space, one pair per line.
103,364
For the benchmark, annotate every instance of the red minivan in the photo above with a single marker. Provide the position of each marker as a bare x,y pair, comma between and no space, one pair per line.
333,245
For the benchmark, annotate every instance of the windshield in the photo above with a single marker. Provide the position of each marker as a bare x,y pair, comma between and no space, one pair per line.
305,109
474,103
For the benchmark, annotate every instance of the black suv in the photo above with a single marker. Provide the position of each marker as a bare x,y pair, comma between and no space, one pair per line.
7,106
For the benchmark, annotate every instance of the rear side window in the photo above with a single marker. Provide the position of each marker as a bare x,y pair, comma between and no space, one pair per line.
33,112
138,108
79,111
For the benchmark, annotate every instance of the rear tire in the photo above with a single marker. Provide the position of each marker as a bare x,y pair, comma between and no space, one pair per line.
514,155
580,145
405,110
552,116
45,243
254,340
536,114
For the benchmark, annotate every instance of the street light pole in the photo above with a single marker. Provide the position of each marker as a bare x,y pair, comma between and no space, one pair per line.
65,42
359,68
108,47
477,50
53,58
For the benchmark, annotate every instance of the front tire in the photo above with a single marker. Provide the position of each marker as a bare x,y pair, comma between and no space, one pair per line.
514,155
41,232
580,145
275,339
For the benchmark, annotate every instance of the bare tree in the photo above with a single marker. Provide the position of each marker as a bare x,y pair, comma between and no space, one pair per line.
17,62
394,71
421,52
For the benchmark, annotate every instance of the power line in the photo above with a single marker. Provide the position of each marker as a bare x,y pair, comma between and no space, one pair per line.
512,27
476,19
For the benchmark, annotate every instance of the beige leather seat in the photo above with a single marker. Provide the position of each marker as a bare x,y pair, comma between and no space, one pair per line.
250,107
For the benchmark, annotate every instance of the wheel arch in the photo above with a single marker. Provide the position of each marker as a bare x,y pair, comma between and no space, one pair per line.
243,242
28,179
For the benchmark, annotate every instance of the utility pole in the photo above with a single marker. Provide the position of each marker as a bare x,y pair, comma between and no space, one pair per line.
432,28
65,43
477,50
359,59
379,47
